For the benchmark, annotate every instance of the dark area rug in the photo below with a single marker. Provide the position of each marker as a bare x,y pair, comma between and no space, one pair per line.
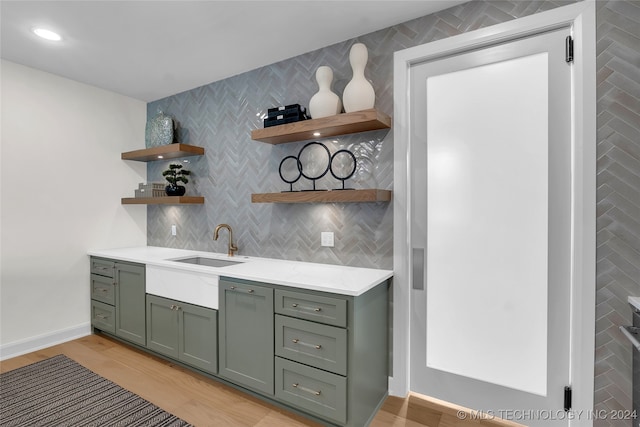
60,392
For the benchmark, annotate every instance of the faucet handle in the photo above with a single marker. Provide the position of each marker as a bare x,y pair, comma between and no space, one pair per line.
232,248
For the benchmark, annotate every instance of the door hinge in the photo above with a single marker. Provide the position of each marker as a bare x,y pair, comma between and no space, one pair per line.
567,398
568,49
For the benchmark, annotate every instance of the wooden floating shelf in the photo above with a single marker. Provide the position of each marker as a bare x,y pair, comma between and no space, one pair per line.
332,196
169,200
341,124
170,151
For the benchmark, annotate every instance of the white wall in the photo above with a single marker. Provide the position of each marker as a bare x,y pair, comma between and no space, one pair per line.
61,183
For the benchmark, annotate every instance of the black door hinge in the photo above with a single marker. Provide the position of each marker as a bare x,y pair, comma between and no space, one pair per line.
568,49
567,398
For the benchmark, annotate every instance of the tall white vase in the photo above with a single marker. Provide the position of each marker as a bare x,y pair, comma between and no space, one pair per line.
324,103
358,94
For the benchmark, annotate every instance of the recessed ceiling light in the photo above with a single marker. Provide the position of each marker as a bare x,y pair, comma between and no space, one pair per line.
47,34
316,134
161,157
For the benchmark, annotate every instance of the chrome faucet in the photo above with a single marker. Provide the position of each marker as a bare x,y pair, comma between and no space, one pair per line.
232,248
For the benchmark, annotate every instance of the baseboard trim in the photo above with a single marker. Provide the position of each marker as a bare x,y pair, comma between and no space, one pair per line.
39,342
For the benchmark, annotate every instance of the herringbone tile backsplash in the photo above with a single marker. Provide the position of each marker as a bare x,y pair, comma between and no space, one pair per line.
618,238
221,115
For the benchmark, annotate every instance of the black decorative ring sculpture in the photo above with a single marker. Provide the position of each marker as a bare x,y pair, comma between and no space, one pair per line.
330,167
290,182
301,167
350,174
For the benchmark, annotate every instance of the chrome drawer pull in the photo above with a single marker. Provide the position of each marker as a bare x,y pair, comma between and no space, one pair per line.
103,290
174,307
233,288
297,341
102,316
317,393
317,309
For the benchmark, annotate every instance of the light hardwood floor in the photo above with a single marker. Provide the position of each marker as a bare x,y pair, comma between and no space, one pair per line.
204,402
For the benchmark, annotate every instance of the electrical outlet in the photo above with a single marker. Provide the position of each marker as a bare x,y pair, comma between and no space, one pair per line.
326,239
173,230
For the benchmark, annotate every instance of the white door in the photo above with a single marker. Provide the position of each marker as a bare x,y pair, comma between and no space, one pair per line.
491,197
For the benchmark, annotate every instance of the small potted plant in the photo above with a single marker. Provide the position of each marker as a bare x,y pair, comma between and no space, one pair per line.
174,175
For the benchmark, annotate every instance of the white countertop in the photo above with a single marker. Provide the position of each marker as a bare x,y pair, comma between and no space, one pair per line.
634,301
336,279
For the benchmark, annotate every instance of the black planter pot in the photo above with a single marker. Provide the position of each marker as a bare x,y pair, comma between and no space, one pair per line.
174,191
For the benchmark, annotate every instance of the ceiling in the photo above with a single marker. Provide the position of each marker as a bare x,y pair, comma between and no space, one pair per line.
152,49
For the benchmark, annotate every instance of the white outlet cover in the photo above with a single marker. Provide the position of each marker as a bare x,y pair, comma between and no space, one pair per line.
173,230
326,239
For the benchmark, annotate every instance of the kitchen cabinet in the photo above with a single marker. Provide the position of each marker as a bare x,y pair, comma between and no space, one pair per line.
319,352
323,354
246,334
118,299
183,331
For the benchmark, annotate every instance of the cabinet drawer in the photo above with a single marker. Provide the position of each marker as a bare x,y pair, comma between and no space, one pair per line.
103,316
102,289
102,267
332,311
321,346
319,392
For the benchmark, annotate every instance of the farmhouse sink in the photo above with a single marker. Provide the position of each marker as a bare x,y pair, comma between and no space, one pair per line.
209,262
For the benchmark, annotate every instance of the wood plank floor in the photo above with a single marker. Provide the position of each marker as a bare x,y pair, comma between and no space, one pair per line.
204,402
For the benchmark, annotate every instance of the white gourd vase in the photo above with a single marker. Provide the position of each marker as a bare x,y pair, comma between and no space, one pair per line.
324,103
358,94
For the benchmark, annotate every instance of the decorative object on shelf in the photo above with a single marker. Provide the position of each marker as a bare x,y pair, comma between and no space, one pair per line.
290,171
343,166
358,94
159,130
174,175
152,189
325,102
285,114
314,160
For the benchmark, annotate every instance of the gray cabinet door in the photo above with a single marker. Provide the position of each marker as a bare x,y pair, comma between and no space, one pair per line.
130,302
311,343
162,326
103,289
102,267
103,316
246,334
322,393
198,336
185,332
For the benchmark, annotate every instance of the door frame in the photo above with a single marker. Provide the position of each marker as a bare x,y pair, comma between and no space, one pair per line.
581,16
